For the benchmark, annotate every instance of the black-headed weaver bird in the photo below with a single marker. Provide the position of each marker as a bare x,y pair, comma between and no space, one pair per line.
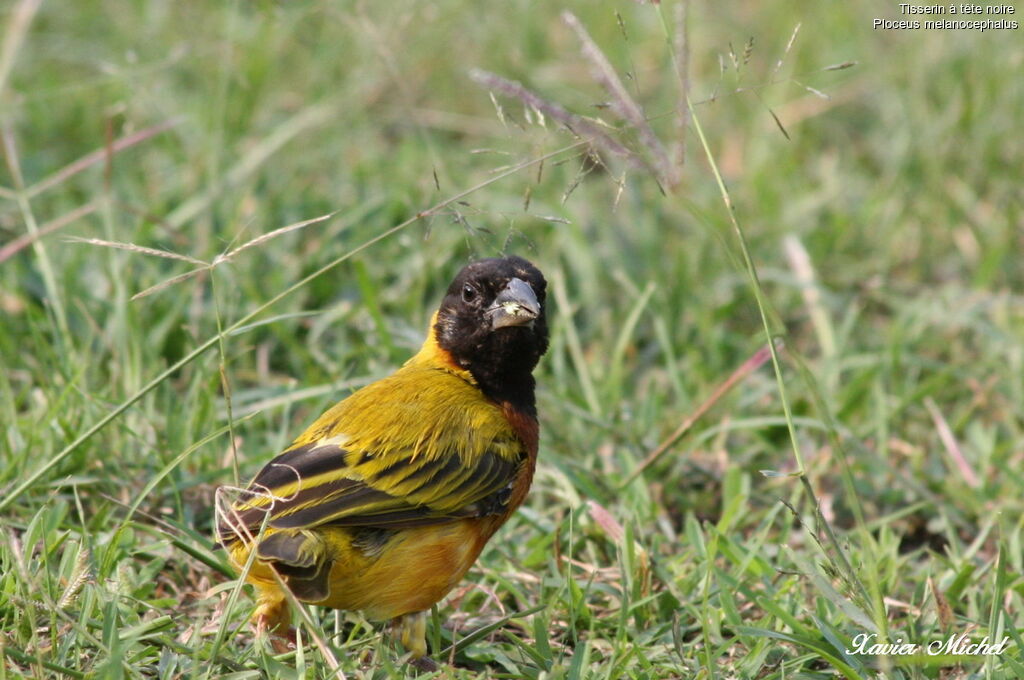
386,500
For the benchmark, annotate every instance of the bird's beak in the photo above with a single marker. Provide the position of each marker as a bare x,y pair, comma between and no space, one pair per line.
516,305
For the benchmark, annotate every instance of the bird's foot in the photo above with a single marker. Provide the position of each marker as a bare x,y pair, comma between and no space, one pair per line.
413,629
271,623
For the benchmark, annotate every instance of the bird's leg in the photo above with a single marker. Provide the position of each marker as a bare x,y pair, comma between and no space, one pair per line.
414,633
272,617
414,638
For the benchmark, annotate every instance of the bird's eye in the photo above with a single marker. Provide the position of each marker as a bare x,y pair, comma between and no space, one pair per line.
468,293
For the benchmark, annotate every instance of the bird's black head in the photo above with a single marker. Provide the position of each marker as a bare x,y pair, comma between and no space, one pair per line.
493,323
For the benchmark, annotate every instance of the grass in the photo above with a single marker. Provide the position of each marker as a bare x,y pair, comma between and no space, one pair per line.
866,480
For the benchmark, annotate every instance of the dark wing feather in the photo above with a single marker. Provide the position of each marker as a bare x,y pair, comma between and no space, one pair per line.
313,485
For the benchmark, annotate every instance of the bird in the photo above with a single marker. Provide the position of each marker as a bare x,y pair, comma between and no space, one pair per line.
385,502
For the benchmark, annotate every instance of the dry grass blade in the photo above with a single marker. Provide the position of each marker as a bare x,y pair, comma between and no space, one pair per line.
136,249
10,147
585,169
950,444
604,519
21,19
25,240
270,235
170,282
840,67
803,269
785,52
622,103
942,607
815,92
778,123
99,155
577,124
206,266
733,59
757,360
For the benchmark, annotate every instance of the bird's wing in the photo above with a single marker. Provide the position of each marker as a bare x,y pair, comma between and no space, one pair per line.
323,482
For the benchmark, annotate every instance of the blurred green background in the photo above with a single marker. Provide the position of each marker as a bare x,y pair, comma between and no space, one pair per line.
881,203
